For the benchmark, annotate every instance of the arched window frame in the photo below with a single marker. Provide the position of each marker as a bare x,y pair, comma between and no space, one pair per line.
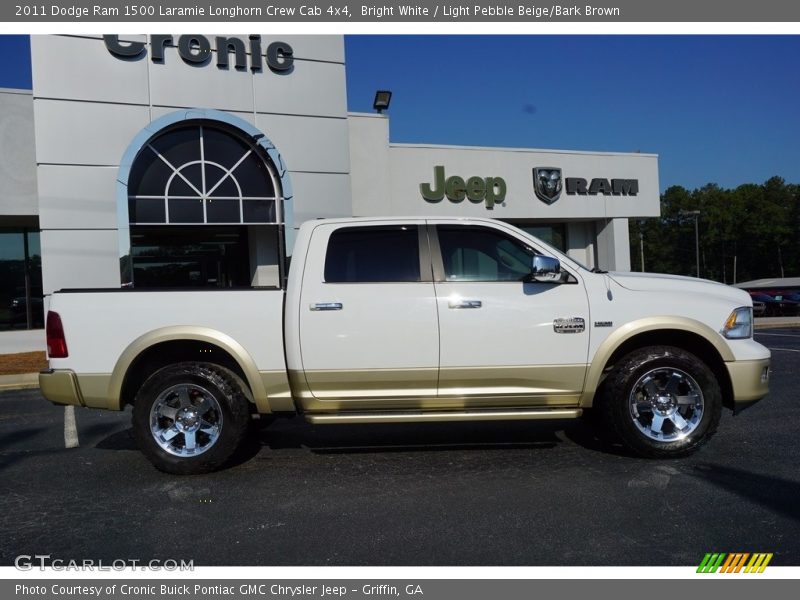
284,203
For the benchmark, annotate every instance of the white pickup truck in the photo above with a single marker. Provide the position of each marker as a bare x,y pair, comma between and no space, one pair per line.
409,320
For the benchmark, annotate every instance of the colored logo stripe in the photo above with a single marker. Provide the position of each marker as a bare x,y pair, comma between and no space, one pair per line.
734,562
758,563
711,563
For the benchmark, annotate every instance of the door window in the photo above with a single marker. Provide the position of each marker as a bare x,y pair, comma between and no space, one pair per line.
483,254
373,254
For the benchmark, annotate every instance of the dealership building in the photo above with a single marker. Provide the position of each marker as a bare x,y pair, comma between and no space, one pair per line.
191,160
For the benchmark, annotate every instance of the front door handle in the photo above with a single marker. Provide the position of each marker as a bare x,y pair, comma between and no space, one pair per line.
465,304
326,306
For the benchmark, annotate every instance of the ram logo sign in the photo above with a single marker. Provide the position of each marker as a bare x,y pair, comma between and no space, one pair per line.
548,183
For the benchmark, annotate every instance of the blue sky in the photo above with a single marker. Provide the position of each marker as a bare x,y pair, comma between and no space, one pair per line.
720,109
723,109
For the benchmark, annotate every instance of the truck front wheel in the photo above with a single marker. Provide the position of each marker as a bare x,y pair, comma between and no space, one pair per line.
662,402
190,417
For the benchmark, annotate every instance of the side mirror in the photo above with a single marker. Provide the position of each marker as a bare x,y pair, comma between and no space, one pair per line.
545,269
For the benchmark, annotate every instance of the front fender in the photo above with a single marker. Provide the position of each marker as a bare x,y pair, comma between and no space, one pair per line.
646,325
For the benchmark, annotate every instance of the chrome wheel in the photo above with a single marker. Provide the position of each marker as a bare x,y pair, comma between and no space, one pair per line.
666,404
185,420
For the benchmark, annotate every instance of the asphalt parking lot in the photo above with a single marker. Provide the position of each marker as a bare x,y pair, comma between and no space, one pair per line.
435,494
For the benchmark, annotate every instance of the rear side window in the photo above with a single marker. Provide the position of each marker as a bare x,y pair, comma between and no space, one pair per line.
373,254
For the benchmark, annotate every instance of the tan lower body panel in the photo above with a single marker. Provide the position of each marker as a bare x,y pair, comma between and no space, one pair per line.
457,389
279,394
60,387
420,417
94,391
547,381
749,379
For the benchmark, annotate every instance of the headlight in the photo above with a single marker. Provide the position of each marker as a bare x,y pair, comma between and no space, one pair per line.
739,325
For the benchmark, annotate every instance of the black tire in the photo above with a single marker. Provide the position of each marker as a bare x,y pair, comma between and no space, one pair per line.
626,416
210,420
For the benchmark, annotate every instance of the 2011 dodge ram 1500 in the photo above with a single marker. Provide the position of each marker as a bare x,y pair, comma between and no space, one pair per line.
403,320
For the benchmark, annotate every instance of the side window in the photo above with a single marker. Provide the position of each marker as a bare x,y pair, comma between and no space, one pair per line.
373,254
482,254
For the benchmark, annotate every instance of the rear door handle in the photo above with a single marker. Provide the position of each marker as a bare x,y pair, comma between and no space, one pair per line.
465,304
326,306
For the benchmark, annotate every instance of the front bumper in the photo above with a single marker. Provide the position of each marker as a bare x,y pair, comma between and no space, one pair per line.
749,381
60,387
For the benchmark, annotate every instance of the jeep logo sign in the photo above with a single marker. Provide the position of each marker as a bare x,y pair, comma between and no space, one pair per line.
196,50
491,190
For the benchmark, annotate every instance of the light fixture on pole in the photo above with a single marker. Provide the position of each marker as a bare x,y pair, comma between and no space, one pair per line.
382,100
696,215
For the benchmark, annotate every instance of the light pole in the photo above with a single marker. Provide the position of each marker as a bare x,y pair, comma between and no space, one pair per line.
696,215
641,248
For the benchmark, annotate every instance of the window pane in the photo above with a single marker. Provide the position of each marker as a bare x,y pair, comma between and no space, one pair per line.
222,148
222,211
149,175
482,254
179,146
179,186
259,211
254,178
185,211
226,188
146,210
13,312
373,254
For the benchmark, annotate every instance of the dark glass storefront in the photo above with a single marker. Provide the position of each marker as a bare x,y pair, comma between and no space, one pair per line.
554,234
21,305
190,256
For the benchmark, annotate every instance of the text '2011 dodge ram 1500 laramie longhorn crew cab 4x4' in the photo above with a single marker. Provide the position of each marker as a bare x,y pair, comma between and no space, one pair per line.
410,320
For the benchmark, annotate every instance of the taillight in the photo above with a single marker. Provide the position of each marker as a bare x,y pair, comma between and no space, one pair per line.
56,342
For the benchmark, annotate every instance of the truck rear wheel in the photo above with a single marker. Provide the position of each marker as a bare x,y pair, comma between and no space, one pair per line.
190,417
662,402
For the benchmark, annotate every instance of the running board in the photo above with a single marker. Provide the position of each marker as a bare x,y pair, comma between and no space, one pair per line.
419,417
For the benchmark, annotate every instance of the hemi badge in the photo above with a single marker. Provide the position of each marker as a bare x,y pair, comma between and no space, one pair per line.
603,323
572,325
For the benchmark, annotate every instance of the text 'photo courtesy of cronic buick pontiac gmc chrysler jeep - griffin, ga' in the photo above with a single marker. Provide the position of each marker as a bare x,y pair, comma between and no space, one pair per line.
410,320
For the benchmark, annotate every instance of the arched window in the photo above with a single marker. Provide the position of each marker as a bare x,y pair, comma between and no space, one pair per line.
202,173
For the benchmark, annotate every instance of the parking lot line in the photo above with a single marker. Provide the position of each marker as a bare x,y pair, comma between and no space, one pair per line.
784,349
70,429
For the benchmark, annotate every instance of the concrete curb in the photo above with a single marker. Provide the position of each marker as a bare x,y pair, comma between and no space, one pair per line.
776,323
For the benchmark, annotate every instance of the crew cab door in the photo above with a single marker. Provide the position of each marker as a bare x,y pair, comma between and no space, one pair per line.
369,334
501,341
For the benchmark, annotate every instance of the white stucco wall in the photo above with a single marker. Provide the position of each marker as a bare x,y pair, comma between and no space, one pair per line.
17,155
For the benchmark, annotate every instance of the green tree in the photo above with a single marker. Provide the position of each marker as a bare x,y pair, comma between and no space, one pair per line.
750,232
